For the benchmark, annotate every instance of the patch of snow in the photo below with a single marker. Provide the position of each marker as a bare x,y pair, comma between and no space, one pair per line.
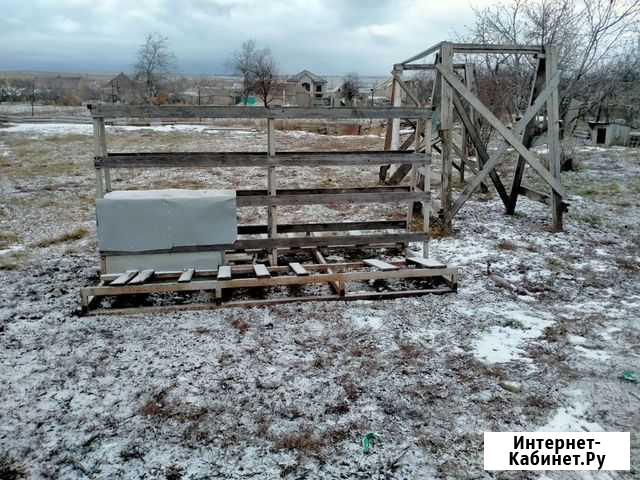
11,249
503,344
571,418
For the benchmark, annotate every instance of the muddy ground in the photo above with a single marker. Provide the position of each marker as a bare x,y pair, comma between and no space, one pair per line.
290,391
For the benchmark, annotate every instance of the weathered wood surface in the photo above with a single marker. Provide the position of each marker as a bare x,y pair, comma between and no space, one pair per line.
325,227
141,277
425,262
380,265
500,48
507,134
553,135
260,270
201,111
320,198
187,275
254,159
298,269
425,53
224,272
429,66
124,278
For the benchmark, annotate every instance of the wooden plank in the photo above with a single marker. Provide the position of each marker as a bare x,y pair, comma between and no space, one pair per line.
141,277
493,48
298,269
425,262
380,265
224,272
124,278
325,227
100,150
187,275
336,286
260,270
321,198
253,159
287,242
206,111
407,90
507,134
553,135
429,66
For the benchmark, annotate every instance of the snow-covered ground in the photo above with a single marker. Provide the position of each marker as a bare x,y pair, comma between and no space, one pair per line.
290,391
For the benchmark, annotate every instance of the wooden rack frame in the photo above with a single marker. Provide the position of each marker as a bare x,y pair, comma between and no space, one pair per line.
454,93
272,197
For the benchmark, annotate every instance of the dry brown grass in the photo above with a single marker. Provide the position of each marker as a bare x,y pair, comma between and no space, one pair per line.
12,261
8,238
72,236
505,244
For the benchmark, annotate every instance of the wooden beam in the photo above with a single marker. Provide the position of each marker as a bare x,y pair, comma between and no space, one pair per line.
254,159
429,66
432,49
503,48
285,242
335,285
224,272
325,227
553,135
202,111
103,176
260,270
407,90
503,130
322,198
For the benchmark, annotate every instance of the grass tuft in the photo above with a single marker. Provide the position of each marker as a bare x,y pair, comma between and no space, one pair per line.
72,236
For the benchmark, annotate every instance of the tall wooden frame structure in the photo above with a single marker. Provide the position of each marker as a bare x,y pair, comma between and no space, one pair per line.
454,95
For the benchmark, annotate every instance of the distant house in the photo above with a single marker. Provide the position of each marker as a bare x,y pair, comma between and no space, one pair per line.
121,89
313,85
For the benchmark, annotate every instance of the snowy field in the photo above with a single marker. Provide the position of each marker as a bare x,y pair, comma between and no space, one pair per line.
290,391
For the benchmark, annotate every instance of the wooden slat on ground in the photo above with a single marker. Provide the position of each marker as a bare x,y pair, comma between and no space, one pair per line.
141,277
298,269
425,262
187,275
380,265
124,278
261,271
224,272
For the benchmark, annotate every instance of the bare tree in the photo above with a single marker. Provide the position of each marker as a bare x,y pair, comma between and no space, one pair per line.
588,33
350,87
265,75
154,62
242,62
423,83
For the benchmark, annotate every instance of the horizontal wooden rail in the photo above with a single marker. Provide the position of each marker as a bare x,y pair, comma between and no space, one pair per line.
501,48
255,198
286,242
325,227
256,159
202,111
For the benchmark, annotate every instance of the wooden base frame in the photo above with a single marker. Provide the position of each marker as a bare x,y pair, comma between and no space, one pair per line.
343,276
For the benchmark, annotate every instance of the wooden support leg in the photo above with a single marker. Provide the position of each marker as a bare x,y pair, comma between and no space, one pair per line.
271,179
426,205
553,135
446,124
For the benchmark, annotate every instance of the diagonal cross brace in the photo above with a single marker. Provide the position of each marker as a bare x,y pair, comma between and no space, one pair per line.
508,135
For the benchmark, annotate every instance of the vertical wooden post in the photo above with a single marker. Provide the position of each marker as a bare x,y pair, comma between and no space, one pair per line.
397,102
446,124
553,134
271,180
99,150
426,204
413,175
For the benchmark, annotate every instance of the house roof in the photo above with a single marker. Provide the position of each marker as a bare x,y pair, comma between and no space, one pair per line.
121,80
300,75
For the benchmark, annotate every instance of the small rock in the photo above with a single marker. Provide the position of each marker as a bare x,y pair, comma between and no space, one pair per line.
514,387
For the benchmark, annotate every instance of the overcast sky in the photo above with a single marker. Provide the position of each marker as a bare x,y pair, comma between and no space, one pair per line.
329,37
